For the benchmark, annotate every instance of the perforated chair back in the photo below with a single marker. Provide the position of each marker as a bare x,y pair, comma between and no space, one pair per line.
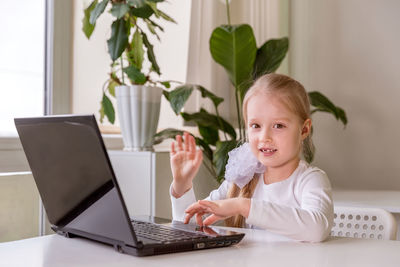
364,223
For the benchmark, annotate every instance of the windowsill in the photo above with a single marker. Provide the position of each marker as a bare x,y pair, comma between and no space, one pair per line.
12,156
112,141
10,143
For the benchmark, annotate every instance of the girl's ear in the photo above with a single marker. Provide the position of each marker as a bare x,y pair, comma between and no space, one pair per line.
306,129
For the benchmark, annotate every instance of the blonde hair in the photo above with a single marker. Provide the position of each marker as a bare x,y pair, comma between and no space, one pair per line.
295,98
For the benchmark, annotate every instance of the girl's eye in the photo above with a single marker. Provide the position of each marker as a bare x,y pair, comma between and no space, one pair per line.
278,126
254,125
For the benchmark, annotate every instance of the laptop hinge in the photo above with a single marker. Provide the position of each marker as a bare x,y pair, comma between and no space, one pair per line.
139,244
60,232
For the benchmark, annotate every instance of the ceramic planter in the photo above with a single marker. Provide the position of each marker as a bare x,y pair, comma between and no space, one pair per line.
138,109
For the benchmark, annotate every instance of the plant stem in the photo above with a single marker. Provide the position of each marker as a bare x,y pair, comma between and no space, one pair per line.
122,71
227,12
238,113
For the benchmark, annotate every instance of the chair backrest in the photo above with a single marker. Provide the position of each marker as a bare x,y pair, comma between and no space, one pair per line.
360,222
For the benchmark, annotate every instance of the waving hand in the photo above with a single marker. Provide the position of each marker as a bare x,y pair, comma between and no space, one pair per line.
185,163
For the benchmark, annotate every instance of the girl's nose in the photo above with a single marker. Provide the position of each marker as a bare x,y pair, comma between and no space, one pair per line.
266,137
266,140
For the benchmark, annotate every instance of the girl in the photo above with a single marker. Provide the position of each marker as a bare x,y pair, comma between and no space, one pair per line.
267,185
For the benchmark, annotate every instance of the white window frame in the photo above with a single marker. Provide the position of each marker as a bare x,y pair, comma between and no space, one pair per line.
57,78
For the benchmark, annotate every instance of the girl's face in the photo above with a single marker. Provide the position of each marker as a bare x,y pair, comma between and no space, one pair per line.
275,133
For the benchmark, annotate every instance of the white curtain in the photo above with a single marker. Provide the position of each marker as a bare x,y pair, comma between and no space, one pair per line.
268,18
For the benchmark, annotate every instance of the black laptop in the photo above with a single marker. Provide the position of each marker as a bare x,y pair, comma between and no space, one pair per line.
82,198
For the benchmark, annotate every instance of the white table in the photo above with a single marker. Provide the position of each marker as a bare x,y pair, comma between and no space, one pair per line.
258,248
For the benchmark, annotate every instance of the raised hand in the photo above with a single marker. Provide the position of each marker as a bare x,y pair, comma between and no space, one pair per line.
185,163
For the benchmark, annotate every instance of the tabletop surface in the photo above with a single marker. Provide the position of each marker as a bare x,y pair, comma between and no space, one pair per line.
258,248
388,200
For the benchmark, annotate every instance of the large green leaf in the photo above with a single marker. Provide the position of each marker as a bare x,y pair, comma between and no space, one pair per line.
118,40
234,47
144,11
151,28
108,108
97,11
111,87
156,24
221,157
101,111
167,84
150,54
136,54
206,148
206,119
135,75
119,10
205,93
209,134
153,6
165,134
178,97
322,103
88,28
166,17
341,115
270,56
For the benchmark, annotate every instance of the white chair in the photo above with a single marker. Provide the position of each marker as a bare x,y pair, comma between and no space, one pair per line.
360,222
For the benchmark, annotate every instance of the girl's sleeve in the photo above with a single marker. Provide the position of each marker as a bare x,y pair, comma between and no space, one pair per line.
311,222
179,205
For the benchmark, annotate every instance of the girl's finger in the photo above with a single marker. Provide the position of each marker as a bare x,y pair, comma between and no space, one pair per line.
191,207
192,212
208,204
173,148
187,218
212,219
186,136
192,144
198,158
178,139
196,207
199,218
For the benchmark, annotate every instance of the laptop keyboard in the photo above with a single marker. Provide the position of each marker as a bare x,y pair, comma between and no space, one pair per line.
163,233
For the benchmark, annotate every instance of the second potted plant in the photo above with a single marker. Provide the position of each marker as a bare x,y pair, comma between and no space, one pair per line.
130,81
234,48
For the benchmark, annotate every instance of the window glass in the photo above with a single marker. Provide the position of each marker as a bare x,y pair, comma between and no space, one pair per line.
22,27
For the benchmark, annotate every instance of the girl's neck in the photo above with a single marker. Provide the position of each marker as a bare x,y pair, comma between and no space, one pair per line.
280,173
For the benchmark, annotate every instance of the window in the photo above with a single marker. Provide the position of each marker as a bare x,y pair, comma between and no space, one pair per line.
22,24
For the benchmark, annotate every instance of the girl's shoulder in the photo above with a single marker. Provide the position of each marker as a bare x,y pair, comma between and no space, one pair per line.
312,175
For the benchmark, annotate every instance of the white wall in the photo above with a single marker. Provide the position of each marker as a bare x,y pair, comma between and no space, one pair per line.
91,60
19,207
349,50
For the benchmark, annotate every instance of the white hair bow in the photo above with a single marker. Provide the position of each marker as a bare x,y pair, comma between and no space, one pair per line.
242,165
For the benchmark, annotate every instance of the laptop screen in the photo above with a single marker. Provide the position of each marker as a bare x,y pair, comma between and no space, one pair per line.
73,174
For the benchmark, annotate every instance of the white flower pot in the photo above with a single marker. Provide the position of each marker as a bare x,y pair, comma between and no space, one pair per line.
138,109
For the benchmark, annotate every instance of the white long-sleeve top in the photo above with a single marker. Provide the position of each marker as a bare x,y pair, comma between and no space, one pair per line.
299,207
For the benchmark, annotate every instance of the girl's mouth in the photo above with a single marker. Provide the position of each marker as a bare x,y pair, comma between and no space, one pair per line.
268,151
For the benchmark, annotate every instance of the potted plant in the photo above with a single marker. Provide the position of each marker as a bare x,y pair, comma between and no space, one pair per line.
234,48
138,94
